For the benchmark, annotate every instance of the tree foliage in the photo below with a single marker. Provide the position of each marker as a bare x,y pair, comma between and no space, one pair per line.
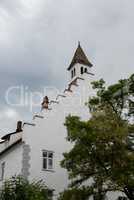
76,193
102,155
18,188
119,96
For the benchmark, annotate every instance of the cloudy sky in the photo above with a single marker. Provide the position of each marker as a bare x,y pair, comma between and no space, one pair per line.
38,39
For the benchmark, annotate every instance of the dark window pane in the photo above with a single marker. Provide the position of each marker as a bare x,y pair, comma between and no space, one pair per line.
85,69
2,170
50,164
50,155
81,70
44,163
72,74
44,154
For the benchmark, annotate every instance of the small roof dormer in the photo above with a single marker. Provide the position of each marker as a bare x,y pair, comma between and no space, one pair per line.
79,57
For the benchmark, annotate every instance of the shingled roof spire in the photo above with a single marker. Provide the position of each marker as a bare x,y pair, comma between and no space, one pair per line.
80,57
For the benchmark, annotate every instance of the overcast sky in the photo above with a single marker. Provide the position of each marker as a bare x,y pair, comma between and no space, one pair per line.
38,39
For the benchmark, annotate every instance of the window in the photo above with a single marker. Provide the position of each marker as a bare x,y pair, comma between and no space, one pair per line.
85,70
81,70
2,170
72,73
47,160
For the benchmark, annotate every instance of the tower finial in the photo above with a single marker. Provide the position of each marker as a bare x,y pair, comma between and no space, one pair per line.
78,43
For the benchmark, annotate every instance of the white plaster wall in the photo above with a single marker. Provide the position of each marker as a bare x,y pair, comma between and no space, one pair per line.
13,161
77,67
50,134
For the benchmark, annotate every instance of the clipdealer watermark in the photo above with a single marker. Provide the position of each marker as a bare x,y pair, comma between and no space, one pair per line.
22,96
26,97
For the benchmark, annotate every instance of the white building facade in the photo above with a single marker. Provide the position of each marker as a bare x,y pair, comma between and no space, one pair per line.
36,149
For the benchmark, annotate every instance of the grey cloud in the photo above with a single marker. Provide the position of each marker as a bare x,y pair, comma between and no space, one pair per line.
38,39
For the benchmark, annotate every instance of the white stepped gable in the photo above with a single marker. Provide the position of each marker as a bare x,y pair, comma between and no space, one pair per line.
63,100
49,133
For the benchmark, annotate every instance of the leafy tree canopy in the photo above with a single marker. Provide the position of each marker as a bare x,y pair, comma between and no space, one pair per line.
101,155
119,96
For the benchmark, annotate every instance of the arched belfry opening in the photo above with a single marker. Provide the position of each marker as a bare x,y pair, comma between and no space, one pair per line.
81,70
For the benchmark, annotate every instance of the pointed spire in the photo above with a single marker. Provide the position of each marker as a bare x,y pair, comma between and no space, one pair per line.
80,57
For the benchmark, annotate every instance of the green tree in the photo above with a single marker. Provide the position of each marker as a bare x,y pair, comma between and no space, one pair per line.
120,97
100,150
18,188
75,193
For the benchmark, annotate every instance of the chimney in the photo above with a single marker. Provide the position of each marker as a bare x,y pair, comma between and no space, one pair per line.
19,126
45,103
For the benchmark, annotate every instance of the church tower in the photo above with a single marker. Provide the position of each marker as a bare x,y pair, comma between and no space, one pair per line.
79,64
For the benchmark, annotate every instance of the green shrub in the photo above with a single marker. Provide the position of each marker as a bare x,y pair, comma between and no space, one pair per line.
18,188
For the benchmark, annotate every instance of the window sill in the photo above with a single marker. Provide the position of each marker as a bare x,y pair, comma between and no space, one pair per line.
48,170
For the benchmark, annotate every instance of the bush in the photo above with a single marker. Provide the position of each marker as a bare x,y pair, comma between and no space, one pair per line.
76,194
18,188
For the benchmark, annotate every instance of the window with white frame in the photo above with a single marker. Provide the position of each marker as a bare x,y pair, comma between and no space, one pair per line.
48,162
2,170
